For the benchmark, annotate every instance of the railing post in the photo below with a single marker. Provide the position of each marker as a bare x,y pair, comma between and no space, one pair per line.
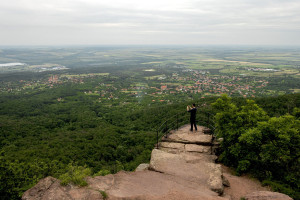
157,139
207,119
166,128
177,120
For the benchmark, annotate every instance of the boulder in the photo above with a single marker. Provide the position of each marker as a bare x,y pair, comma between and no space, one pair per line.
225,181
267,195
215,181
142,167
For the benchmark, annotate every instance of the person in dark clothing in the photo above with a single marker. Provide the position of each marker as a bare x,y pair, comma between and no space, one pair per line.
193,111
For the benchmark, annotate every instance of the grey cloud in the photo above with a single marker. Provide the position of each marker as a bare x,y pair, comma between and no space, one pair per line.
215,21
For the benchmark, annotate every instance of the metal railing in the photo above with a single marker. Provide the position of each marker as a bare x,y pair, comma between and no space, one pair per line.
204,118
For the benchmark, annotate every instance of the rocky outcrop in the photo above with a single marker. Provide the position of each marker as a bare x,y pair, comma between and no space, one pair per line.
142,185
267,195
150,185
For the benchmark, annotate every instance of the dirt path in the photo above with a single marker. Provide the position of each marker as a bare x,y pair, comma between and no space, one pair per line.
240,185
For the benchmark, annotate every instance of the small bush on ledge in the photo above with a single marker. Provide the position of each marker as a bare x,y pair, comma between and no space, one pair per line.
75,175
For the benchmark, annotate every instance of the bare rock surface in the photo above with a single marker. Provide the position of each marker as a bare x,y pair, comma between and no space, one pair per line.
199,170
50,188
267,195
153,185
240,186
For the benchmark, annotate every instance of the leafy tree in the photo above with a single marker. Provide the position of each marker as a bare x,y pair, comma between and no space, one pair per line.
231,124
253,142
280,149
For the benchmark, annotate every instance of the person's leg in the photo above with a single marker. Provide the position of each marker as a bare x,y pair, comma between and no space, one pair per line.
195,125
191,126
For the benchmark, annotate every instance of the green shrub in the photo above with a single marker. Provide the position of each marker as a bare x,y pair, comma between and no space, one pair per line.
283,188
75,175
102,172
243,166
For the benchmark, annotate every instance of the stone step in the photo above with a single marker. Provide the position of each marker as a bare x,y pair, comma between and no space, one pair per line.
205,140
197,148
181,147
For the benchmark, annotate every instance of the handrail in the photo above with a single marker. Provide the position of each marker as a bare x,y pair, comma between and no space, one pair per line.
181,119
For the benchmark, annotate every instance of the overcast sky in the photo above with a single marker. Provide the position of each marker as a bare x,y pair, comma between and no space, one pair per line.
197,22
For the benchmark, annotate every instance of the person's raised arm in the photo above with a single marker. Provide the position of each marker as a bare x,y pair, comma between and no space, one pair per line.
188,108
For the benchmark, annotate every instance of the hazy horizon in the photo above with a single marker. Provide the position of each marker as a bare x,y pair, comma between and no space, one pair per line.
225,46
156,22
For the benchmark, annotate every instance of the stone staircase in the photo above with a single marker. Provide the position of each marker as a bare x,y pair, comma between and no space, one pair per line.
189,155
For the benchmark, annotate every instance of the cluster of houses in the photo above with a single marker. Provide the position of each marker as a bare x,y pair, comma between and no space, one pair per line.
197,83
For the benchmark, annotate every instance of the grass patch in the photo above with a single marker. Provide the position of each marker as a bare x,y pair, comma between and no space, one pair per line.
104,194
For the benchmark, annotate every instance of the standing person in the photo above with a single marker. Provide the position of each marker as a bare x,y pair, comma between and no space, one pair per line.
193,111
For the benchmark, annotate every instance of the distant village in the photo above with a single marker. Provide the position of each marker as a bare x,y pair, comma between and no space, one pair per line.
189,81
